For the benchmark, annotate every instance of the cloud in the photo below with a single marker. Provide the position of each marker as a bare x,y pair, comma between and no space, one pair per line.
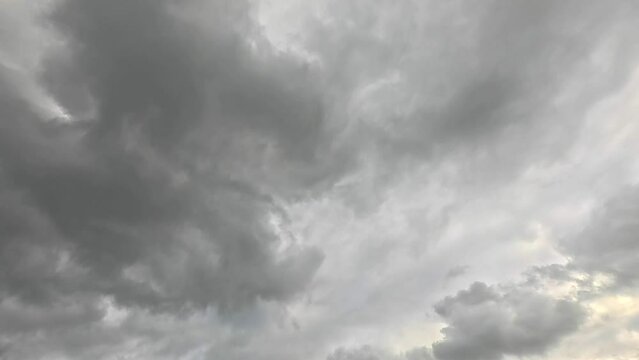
457,271
609,243
372,353
486,323
270,180
437,88
122,191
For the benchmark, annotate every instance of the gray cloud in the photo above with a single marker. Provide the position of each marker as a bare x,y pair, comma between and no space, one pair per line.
457,271
484,323
135,198
162,163
610,241
477,89
372,353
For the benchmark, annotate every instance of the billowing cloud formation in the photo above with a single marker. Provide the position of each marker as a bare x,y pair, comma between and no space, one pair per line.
147,209
293,180
486,324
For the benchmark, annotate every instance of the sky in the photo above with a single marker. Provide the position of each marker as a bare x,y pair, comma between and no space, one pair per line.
319,180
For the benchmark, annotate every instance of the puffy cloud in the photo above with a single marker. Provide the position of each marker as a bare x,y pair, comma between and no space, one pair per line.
156,187
135,197
485,323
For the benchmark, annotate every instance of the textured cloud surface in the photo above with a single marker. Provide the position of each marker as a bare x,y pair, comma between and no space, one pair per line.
330,180
484,324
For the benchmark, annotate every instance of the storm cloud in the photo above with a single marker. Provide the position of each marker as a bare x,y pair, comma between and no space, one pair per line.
124,192
340,180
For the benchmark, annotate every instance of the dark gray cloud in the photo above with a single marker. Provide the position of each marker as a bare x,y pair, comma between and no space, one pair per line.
157,191
486,323
136,195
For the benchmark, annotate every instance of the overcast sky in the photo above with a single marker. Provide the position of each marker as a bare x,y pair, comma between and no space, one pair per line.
319,180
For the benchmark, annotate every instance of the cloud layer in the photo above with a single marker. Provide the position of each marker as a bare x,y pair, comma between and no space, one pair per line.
339,180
